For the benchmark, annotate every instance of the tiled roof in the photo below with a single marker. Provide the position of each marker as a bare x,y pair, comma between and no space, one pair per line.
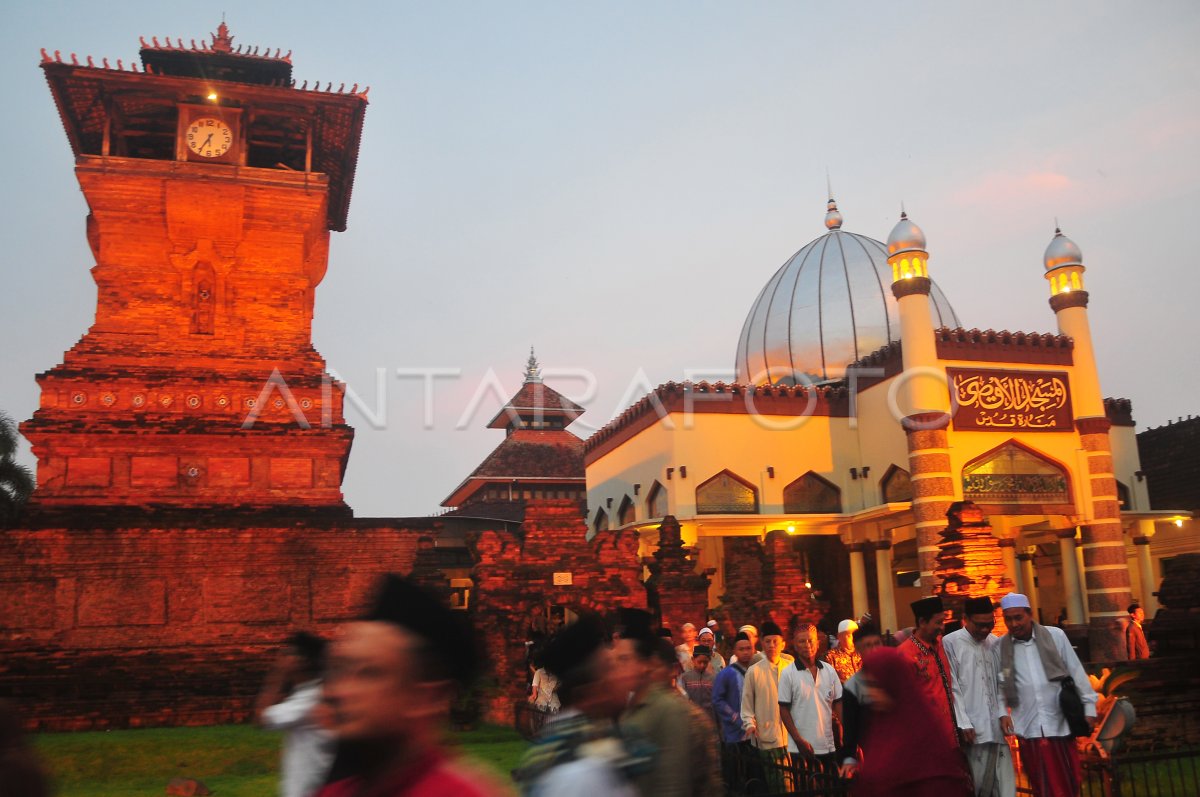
554,456
535,454
535,398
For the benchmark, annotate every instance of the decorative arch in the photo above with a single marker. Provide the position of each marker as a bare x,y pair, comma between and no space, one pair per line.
601,522
657,504
726,494
896,485
812,495
1014,474
627,512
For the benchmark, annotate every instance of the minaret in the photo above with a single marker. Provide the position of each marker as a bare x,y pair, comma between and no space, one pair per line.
1106,572
923,394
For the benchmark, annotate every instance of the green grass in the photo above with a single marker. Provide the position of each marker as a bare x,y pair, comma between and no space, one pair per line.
232,760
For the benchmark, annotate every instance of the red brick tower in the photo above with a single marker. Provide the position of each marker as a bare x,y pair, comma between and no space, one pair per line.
213,183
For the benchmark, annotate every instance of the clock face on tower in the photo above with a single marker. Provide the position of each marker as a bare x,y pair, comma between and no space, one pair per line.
208,137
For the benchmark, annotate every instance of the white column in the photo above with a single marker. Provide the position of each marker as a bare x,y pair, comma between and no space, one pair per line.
1070,576
1028,585
1083,592
887,596
1146,566
1008,549
858,580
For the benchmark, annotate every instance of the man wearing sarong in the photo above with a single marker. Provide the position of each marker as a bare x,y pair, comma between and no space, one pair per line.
924,650
760,707
1034,659
973,654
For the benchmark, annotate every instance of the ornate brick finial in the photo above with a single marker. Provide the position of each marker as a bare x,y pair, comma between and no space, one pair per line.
222,42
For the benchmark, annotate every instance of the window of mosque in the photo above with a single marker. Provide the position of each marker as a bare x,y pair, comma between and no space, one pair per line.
1123,495
726,494
810,494
627,513
896,485
1013,474
601,521
656,501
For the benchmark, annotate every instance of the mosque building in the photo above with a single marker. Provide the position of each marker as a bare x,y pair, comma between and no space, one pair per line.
191,446
863,412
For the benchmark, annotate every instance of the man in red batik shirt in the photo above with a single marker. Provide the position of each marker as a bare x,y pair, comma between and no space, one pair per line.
924,650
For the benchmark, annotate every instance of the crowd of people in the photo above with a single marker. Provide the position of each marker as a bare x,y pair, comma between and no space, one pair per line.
929,712
634,709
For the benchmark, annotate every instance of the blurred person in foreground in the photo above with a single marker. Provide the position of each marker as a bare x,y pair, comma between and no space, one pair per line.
391,679
288,702
21,772
905,753
684,738
580,753
856,705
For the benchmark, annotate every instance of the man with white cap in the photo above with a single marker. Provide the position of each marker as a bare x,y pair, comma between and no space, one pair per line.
1035,662
979,711
752,632
845,659
716,661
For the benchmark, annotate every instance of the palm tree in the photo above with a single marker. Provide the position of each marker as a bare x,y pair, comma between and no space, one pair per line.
16,482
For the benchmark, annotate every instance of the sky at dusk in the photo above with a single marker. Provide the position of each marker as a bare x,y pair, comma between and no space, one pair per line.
613,183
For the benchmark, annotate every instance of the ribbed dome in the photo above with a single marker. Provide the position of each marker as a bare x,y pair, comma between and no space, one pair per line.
1062,251
830,304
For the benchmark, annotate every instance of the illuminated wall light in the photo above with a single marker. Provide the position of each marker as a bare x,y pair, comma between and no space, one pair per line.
791,529
212,96
1179,522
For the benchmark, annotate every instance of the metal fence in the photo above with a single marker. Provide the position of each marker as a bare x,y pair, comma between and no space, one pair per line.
747,772
1165,773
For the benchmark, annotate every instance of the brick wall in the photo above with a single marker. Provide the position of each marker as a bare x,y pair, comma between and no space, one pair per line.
515,572
121,627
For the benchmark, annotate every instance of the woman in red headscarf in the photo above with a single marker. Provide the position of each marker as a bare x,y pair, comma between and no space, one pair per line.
905,752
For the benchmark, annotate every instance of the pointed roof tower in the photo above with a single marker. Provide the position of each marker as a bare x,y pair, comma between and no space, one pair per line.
535,406
538,459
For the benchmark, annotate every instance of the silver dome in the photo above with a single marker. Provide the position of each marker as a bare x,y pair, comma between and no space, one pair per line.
1062,251
830,304
905,237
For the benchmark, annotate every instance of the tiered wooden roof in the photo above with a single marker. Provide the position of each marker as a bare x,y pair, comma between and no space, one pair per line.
137,108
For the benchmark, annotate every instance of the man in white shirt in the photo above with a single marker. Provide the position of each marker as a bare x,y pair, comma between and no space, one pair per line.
979,711
810,695
1034,660
287,703
760,706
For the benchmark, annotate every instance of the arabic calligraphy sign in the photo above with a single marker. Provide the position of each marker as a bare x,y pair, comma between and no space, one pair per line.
1024,401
